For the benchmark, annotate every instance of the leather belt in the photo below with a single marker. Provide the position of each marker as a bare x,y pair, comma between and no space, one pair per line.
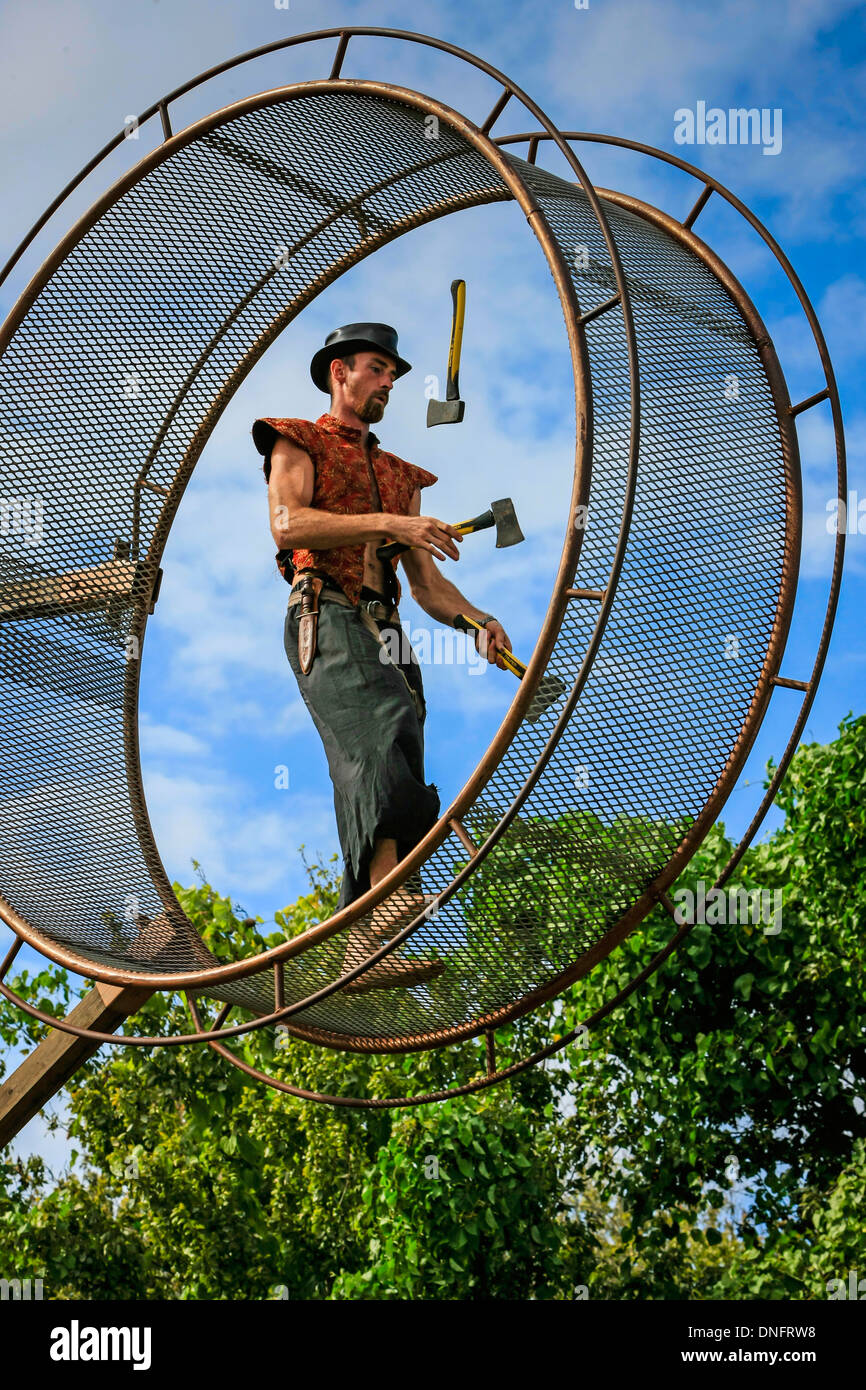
309,591
367,609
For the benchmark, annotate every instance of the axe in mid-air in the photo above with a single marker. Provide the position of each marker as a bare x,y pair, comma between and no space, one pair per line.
450,411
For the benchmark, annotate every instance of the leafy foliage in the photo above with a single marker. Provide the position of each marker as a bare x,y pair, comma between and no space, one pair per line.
708,1141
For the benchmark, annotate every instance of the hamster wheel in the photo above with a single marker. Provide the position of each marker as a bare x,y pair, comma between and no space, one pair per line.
667,619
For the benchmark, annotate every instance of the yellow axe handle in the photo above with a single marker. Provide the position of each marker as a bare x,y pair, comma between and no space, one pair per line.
514,664
458,295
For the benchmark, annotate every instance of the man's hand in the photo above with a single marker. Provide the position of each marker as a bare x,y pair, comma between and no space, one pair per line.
430,588
490,641
424,533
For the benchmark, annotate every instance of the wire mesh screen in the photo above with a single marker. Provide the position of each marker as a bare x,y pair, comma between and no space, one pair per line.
671,686
108,391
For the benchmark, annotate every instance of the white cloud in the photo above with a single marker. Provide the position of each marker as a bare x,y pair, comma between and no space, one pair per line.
647,61
246,838
164,740
842,313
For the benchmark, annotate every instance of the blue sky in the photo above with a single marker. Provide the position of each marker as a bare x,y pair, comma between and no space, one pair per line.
220,709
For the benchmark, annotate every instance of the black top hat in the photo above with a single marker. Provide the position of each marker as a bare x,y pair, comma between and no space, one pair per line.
355,337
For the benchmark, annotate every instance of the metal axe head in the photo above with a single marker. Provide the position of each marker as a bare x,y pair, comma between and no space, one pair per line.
444,412
500,514
550,689
508,531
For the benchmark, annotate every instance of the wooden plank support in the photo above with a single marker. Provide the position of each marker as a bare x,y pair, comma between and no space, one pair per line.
78,592
57,1058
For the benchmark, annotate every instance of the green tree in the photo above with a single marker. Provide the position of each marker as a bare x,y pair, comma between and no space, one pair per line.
744,1053
706,1142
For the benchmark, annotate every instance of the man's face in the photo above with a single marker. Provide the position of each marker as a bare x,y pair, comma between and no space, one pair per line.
368,384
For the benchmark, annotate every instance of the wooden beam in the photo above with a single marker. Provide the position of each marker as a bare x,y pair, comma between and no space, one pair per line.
78,592
52,1063
58,1057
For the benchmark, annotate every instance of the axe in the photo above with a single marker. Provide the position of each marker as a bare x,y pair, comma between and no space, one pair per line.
500,514
450,411
550,687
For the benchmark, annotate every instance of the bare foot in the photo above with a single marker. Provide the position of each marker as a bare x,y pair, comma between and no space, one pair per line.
397,911
395,972
366,937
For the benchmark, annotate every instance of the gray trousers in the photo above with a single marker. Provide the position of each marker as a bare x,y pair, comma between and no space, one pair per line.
373,737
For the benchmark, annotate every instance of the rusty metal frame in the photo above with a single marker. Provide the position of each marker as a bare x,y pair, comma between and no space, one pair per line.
770,681
830,392
769,678
491,1077
767,682
477,136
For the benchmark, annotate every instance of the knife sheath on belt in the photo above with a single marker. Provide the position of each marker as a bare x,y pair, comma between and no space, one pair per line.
308,621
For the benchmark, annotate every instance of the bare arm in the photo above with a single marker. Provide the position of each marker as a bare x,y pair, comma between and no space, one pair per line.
297,525
443,600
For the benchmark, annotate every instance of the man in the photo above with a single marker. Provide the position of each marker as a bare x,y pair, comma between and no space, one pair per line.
334,498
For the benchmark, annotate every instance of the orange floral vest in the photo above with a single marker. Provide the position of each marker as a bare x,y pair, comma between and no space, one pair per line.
341,484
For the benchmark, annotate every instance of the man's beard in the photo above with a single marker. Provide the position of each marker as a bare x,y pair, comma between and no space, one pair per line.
372,410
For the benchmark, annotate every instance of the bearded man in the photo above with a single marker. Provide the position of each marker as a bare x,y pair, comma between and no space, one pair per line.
334,498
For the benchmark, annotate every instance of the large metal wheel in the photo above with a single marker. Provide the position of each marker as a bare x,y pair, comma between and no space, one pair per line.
681,533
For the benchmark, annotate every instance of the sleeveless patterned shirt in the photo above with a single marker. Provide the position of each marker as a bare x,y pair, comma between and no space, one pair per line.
342,484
